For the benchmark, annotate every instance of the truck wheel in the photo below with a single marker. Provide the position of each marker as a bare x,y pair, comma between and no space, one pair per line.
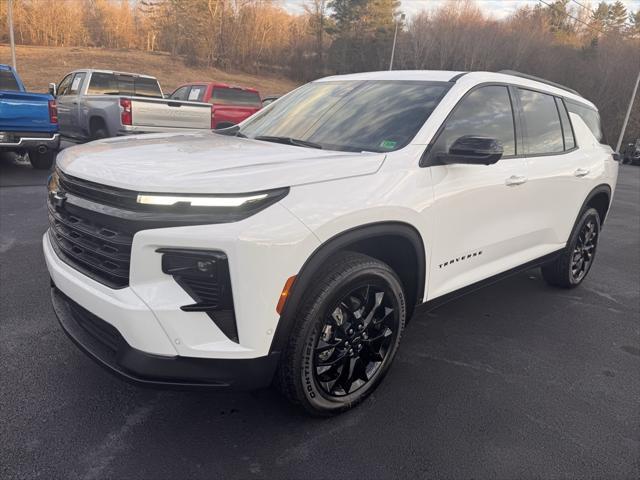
98,133
346,335
573,265
42,161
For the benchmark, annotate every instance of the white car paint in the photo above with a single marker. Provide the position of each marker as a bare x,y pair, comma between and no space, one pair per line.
458,210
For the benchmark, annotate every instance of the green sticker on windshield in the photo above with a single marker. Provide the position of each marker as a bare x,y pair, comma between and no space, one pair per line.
388,144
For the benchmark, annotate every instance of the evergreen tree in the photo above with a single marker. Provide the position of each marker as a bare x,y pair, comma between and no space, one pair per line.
617,17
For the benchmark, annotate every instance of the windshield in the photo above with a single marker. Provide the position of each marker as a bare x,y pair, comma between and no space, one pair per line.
375,116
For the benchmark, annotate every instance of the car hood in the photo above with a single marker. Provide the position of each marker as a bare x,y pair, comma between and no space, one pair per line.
207,162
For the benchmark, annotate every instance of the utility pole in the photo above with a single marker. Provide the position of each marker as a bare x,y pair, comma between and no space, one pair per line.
11,39
395,36
626,118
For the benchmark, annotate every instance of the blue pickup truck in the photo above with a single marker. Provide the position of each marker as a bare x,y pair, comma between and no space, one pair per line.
28,121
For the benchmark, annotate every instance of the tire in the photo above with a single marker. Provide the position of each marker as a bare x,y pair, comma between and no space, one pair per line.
576,260
98,133
355,314
42,161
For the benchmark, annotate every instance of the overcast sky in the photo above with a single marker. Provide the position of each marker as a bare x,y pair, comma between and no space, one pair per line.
495,8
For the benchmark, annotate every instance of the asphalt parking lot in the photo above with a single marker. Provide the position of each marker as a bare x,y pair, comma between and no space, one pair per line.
518,380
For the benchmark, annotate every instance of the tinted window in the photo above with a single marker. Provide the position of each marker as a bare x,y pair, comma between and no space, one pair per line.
146,87
567,131
76,84
113,84
181,93
8,81
103,84
63,86
376,116
590,117
235,96
543,133
485,112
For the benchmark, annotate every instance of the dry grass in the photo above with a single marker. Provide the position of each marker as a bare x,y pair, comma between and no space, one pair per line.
40,65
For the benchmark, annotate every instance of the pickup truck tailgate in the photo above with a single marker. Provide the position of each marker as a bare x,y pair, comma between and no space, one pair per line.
24,112
170,113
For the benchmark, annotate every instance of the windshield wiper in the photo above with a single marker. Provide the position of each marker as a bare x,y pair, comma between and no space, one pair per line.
288,141
232,131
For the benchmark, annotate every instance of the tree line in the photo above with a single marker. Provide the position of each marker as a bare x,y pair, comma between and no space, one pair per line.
591,47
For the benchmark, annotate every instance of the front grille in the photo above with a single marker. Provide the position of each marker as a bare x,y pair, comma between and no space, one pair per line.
99,249
102,194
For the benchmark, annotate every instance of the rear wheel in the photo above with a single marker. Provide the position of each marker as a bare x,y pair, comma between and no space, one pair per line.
42,161
346,336
573,265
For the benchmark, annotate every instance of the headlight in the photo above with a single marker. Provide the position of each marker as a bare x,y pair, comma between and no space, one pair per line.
201,201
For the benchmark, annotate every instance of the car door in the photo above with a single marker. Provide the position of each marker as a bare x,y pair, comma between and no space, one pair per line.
69,104
558,171
64,103
480,229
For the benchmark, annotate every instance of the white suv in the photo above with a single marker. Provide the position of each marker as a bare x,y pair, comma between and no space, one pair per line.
296,246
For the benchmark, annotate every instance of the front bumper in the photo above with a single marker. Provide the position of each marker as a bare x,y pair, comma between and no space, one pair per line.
27,142
103,343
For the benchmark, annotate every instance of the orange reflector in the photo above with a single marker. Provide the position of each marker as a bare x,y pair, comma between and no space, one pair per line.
285,294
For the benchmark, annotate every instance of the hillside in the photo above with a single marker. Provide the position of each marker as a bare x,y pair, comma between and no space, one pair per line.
40,65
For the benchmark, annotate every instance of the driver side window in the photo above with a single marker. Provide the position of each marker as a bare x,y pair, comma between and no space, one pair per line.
63,86
485,112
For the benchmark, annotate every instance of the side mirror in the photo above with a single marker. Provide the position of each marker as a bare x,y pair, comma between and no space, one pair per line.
473,150
53,89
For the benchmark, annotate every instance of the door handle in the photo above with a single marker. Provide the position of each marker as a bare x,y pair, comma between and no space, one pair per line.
514,180
581,172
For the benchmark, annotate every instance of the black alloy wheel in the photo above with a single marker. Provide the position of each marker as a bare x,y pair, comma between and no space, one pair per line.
584,250
346,332
355,340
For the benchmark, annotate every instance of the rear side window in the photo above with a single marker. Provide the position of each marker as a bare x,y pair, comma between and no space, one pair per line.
485,112
235,96
76,84
590,117
542,128
567,131
8,81
196,94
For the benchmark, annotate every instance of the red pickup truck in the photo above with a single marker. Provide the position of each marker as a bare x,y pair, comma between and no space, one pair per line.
231,104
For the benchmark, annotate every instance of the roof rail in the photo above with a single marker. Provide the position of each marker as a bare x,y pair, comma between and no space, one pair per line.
538,79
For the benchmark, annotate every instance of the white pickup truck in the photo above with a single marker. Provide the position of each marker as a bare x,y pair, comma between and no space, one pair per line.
96,104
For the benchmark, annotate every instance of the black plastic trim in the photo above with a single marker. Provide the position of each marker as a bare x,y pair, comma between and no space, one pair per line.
101,342
438,301
315,262
122,203
222,312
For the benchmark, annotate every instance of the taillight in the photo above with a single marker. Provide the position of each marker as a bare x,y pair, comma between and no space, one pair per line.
53,111
213,121
126,116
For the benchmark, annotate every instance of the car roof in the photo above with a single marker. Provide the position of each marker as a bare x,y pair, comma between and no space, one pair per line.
469,79
5,67
95,70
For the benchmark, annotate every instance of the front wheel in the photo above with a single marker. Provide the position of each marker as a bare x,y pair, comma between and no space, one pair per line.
346,335
573,265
